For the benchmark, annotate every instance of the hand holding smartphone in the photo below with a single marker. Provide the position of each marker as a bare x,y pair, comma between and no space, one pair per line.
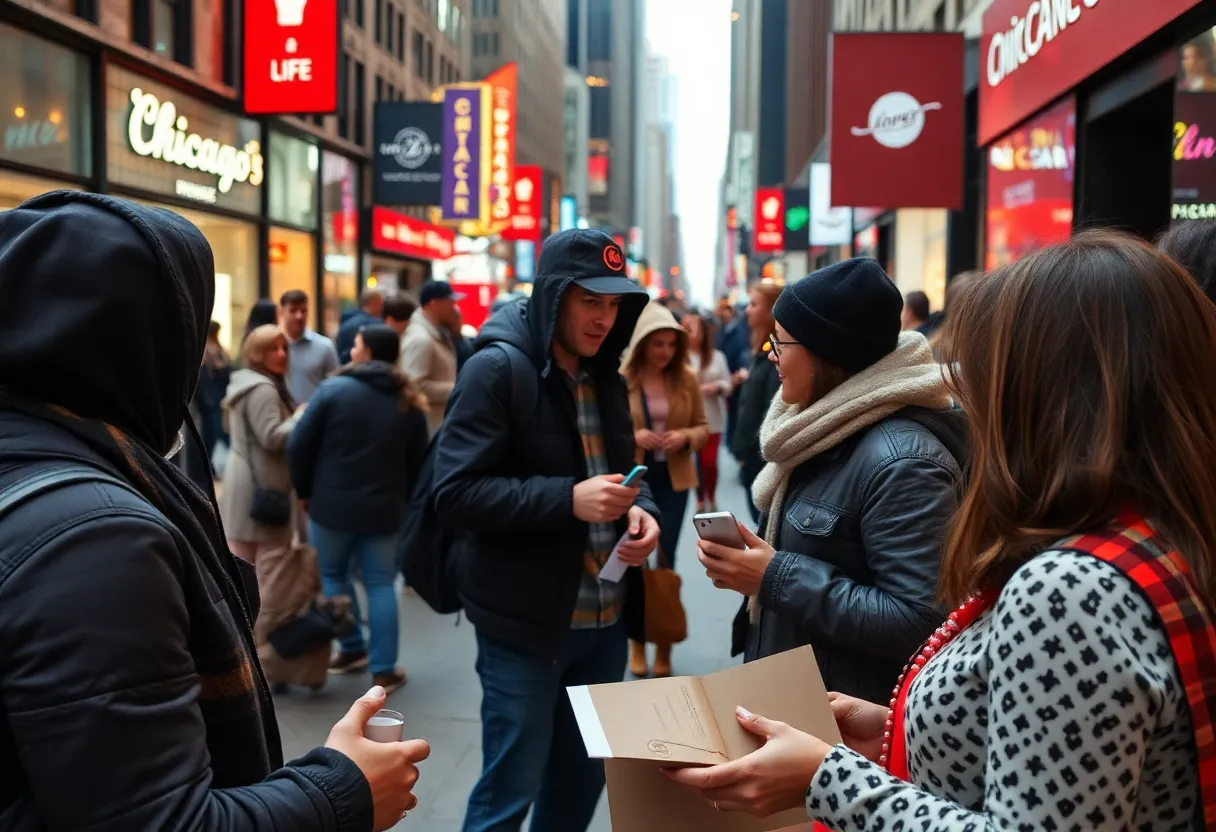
614,568
719,527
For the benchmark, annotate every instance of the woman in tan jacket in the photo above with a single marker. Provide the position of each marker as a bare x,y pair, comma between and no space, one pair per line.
670,427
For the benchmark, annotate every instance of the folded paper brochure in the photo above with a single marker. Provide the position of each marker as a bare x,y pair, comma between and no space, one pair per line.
640,727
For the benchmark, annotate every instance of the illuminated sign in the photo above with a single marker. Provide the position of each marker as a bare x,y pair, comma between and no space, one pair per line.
527,203
770,219
502,84
155,130
463,176
291,56
395,233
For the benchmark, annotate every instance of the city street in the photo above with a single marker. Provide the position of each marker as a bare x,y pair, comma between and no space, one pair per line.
441,701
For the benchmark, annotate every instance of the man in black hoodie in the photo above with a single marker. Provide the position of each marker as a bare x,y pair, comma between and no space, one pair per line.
541,505
130,691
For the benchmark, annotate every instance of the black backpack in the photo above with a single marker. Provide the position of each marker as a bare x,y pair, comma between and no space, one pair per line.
425,543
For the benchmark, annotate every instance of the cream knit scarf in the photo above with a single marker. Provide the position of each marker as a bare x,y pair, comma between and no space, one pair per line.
792,434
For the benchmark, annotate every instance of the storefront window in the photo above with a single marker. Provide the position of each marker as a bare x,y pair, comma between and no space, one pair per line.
161,140
293,262
1030,185
340,232
234,246
1194,165
16,188
45,116
293,180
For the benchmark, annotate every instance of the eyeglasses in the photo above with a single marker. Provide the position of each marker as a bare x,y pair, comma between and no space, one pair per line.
775,344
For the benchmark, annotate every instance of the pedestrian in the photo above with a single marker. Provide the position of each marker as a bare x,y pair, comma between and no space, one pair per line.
312,355
462,346
428,355
858,488
733,340
260,416
264,311
537,508
713,373
354,458
1192,245
133,696
758,385
398,309
916,311
668,427
370,311
1072,687
212,385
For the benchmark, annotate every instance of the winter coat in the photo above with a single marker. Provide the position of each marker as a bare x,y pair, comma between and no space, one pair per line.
260,424
355,453
508,489
429,359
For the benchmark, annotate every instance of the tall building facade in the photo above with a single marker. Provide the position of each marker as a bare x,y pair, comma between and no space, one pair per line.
81,75
656,210
532,33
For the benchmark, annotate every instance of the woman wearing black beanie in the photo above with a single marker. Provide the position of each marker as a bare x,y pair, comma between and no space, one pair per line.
859,485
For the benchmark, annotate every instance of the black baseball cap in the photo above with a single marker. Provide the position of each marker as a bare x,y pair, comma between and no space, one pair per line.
590,258
437,290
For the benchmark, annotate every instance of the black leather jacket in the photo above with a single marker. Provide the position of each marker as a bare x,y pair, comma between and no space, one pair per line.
858,553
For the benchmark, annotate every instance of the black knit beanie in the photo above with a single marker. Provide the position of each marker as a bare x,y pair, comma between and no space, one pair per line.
847,313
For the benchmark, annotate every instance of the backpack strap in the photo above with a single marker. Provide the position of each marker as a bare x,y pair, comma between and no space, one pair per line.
524,385
30,487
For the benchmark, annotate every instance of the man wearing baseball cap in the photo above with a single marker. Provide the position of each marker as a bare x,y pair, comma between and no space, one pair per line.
539,506
428,353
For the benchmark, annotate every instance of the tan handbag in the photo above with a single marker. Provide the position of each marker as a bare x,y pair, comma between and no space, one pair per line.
666,622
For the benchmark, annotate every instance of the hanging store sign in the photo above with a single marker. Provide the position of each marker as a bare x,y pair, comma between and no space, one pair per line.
770,220
407,166
291,56
394,233
503,84
1033,52
464,173
527,204
830,225
897,112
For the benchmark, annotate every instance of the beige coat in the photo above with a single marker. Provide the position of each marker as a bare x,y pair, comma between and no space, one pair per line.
686,412
429,360
259,424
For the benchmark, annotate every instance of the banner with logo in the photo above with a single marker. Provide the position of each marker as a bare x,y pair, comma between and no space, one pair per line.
503,84
527,204
407,163
797,219
394,233
464,166
291,56
770,220
1032,51
897,120
830,225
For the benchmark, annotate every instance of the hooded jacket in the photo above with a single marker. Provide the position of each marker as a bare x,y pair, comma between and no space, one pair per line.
509,486
102,599
355,453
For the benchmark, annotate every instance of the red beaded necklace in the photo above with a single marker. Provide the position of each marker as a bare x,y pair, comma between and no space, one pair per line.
894,756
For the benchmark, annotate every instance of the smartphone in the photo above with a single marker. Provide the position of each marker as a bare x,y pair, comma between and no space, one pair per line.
720,527
636,474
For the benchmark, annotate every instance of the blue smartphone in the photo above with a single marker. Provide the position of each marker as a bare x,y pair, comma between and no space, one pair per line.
636,474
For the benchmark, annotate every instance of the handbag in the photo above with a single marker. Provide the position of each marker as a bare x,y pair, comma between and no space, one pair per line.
665,619
296,619
316,626
269,506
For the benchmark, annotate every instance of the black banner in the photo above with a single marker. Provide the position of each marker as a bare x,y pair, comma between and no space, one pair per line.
407,167
797,219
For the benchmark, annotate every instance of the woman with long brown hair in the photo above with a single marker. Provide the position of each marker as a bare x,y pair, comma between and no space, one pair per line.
713,372
355,457
669,427
260,417
1075,686
759,386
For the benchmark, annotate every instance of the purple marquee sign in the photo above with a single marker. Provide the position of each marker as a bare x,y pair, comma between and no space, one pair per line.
463,174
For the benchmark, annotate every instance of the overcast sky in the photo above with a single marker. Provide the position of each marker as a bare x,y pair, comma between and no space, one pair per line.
694,35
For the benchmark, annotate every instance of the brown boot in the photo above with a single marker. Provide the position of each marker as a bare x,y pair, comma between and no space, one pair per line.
662,661
638,665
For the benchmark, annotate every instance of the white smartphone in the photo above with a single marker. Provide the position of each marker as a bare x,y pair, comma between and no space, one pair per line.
719,527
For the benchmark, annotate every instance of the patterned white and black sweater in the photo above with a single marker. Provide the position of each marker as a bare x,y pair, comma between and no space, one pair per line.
1061,708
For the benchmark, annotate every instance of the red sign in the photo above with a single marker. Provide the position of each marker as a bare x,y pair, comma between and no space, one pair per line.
526,204
291,56
770,219
395,233
1030,183
477,301
897,120
1033,52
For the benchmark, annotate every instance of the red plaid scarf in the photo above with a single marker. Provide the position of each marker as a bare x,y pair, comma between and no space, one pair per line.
1131,546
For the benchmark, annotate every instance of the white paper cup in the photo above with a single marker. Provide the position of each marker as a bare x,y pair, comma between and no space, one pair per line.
385,726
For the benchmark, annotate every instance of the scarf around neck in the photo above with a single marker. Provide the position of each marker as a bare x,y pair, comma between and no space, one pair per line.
791,434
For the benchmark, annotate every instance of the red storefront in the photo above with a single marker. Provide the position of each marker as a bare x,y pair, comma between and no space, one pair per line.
1094,112
403,249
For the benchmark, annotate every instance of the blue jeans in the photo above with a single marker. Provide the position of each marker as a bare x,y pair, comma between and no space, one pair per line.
377,555
532,751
